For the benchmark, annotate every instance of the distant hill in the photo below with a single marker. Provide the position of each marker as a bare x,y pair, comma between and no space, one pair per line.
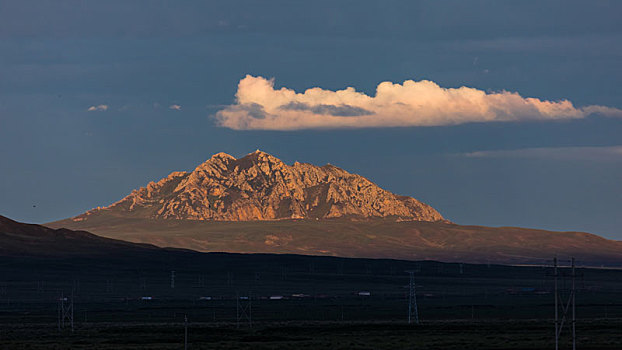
19,239
262,187
406,240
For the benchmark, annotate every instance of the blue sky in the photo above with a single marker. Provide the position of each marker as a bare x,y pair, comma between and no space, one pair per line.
58,58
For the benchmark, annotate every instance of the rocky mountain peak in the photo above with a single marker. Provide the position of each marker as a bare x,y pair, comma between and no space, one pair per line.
222,156
260,186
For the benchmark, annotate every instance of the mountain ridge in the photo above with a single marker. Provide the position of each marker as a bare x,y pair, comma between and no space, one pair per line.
261,187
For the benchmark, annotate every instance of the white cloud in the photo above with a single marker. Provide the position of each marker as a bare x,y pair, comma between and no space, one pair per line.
414,103
98,108
175,107
606,153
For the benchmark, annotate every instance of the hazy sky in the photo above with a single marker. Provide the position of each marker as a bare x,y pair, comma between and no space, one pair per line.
100,97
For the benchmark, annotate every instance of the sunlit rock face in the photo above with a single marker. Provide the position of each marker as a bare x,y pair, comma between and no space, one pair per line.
262,187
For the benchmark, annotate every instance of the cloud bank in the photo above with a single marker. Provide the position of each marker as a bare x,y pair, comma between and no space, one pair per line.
259,106
98,108
603,153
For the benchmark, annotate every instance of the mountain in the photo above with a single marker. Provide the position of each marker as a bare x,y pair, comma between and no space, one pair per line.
262,187
258,204
19,239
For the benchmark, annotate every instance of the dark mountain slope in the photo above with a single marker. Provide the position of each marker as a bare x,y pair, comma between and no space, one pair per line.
19,239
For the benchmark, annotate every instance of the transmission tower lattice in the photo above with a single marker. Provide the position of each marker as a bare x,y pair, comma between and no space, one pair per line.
65,311
244,310
413,313
568,308
185,332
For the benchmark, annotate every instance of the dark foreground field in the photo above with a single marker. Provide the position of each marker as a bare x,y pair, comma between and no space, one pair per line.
449,335
296,302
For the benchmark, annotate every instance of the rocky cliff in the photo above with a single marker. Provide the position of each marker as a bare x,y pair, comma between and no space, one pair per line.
262,187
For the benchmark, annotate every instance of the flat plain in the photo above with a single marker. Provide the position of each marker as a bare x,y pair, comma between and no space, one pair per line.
128,302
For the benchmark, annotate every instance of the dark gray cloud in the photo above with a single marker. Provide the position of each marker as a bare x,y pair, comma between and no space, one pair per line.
323,109
254,110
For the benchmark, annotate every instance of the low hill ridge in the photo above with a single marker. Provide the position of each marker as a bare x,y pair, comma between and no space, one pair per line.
20,239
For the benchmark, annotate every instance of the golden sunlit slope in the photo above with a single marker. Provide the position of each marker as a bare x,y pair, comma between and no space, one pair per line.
262,187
